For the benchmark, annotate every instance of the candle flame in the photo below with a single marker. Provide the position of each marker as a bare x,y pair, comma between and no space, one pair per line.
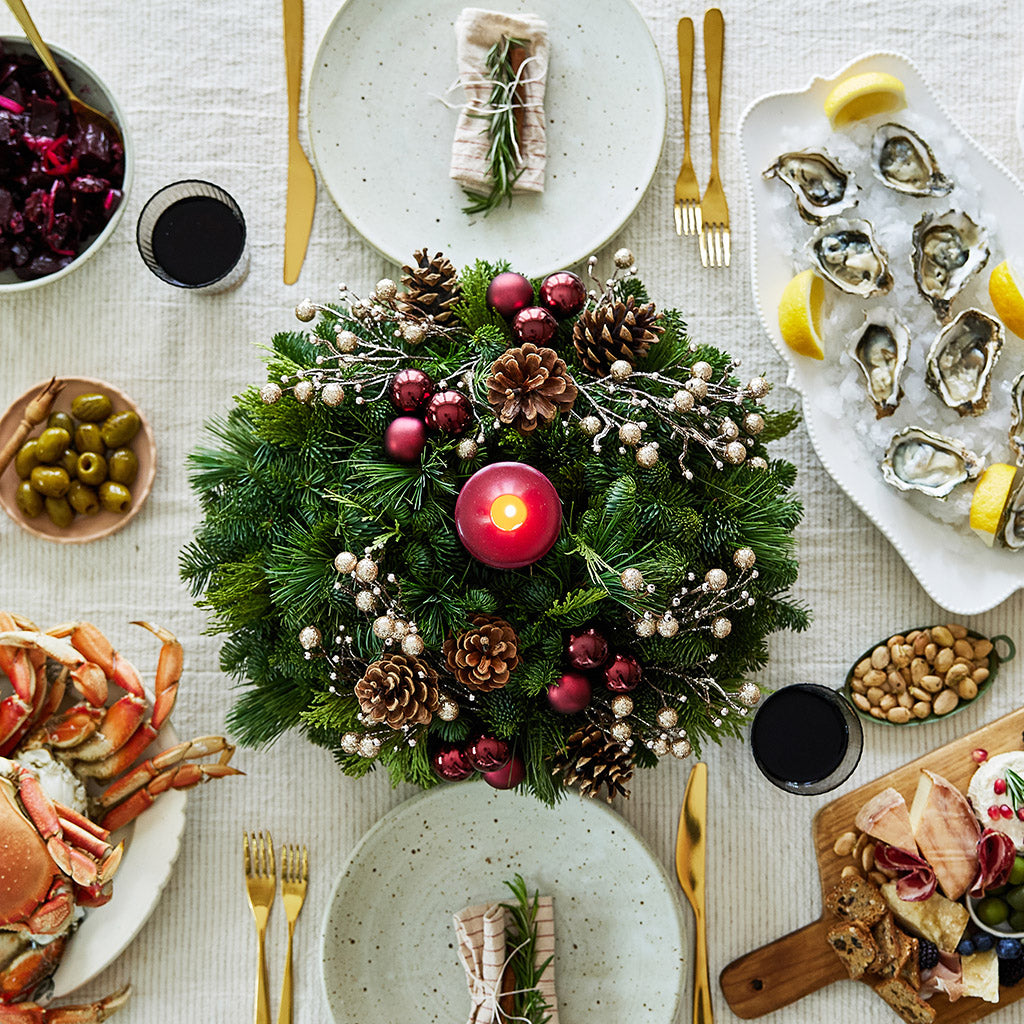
508,512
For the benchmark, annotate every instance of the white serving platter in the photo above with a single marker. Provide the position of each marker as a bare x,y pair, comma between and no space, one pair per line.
957,570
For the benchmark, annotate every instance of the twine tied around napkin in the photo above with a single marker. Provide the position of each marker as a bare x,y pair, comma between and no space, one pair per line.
476,31
481,931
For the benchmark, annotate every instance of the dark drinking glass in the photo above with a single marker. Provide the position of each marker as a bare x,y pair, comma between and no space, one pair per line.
192,234
806,739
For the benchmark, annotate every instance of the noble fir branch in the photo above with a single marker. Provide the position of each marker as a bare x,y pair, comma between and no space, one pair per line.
529,1005
502,116
472,308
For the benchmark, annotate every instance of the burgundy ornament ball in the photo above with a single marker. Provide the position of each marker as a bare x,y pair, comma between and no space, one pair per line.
405,438
623,674
410,390
570,694
448,411
564,294
587,649
535,325
508,293
488,753
451,762
508,777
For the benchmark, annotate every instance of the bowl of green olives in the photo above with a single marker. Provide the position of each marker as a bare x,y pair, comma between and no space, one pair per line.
86,470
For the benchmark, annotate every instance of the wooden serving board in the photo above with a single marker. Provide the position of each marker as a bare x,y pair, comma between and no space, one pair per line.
802,962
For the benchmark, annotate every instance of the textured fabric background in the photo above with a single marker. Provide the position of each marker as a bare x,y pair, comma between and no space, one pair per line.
202,85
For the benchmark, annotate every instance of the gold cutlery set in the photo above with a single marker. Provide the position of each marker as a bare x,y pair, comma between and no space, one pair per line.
261,885
706,217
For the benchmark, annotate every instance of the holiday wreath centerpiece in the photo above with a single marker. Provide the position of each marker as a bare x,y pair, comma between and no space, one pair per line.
492,525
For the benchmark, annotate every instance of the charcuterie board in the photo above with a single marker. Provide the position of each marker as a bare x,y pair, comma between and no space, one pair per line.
802,962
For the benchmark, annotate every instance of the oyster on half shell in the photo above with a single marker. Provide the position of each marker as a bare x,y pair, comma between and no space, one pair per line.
919,460
961,360
822,188
846,253
903,161
1013,527
1017,418
948,249
880,348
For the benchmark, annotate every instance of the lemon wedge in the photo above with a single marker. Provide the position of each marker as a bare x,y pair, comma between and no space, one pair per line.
800,314
990,496
864,95
1005,293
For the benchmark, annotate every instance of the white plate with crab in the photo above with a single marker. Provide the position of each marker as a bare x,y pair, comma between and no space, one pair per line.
152,842
954,567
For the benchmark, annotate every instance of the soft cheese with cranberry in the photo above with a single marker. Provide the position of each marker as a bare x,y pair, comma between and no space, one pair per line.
996,793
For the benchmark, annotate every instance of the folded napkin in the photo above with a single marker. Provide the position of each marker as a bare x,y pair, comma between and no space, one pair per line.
482,949
476,31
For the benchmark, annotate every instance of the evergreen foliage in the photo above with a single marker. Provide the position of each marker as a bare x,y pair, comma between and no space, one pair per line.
284,487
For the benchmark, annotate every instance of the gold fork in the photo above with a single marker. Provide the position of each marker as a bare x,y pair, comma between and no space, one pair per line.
260,884
294,876
687,205
714,211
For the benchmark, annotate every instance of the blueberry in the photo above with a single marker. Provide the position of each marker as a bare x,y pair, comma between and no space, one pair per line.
1009,949
983,942
966,948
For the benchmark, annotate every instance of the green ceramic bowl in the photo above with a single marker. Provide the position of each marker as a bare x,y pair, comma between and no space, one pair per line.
996,658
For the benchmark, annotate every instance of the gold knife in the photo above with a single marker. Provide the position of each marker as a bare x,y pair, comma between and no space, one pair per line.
301,181
691,850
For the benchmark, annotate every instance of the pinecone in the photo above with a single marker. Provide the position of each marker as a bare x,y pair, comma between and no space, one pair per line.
529,386
432,288
593,760
482,658
615,330
398,690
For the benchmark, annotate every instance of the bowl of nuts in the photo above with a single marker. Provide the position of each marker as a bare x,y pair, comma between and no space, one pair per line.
924,674
86,470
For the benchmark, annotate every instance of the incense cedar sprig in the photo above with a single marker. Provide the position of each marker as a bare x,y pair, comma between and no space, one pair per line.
521,936
504,116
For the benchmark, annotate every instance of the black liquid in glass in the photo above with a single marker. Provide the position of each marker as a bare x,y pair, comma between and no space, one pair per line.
197,240
799,735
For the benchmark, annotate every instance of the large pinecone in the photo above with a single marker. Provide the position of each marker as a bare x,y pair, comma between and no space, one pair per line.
593,761
615,330
482,658
529,386
432,288
398,690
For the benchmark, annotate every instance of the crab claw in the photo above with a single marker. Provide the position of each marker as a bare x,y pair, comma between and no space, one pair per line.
91,1013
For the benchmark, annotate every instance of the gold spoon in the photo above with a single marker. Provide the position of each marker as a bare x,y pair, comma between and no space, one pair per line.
84,114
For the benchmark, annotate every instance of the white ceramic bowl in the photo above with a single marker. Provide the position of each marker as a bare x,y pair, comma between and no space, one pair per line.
90,88
998,931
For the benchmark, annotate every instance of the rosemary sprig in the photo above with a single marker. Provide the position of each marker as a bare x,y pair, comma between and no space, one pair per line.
1015,788
502,126
529,1004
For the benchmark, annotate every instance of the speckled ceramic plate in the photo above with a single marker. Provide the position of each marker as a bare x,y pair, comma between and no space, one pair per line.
389,951
382,138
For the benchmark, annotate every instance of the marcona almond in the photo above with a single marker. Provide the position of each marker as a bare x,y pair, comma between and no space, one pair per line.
921,641
901,655
905,700
862,667
956,674
888,701
878,878
979,675
877,713
921,695
843,846
880,657
945,702
861,841
931,683
849,870
896,682
913,635
922,709
967,689
958,632
874,677
963,649
943,660
862,702
982,648
875,694
941,635
867,857
857,685
898,714
918,668
929,653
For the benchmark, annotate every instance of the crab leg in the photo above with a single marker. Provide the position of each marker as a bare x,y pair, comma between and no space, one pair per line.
147,782
51,695
92,1013
87,676
123,736
16,709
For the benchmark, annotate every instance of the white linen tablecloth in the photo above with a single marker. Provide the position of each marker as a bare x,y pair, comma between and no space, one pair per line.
202,85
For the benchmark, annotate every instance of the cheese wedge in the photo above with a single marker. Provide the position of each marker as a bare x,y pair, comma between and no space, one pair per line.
947,833
886,817
937,919
981,975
